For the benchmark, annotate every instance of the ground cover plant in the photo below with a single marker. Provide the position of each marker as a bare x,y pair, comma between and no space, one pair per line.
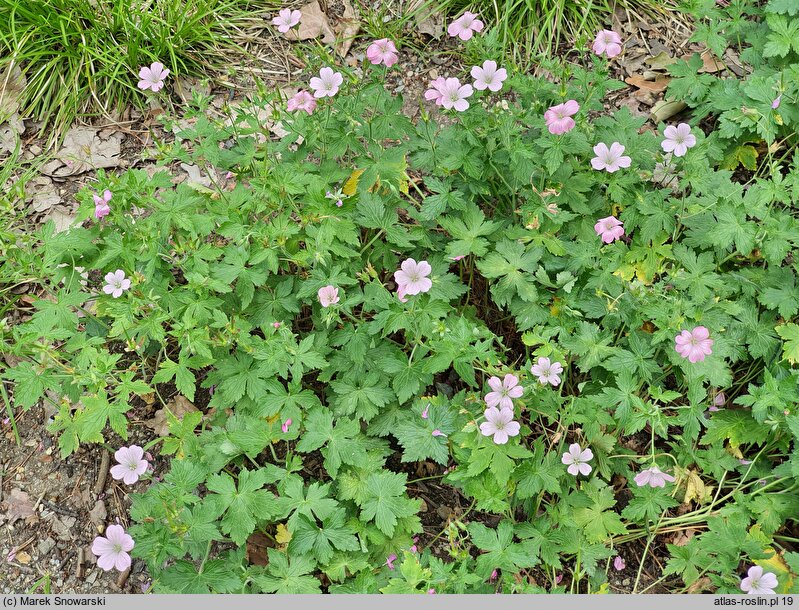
586,329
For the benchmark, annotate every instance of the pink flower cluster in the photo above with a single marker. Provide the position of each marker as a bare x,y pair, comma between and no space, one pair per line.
499,421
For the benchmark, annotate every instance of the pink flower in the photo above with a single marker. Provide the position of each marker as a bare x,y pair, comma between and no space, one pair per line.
327,83
434,93
503,391
285,425
719,399
438,433
131,465
577,459
431,591
558,579
493,576
465,26
500,424
460,257
653,477
453,94
401,293
758,583
559,118
116,283
694,344
618,563
426,411
302,100
610,159
776,103
678,139
101,207
286,19
277,325
382,51
488,77
152,77
547,372
412,277
607,42
390,561
609,229
112,549
328,295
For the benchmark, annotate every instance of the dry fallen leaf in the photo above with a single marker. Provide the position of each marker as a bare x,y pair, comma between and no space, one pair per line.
665,110
12,82
23,558
283,535
18,505
43,194
98,514
660,61
84,149
710,63
62,221
179,406
313,24
257,545
655,86
428,21
347,29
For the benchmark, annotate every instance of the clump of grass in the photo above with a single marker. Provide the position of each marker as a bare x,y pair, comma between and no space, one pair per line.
83,56
530,29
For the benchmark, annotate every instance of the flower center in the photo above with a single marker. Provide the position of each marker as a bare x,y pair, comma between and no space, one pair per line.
131,466
117,547
413,277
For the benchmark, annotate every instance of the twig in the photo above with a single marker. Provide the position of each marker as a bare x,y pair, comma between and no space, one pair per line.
105,460
81,561
123,578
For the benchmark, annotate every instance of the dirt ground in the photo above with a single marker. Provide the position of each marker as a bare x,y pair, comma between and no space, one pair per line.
51,509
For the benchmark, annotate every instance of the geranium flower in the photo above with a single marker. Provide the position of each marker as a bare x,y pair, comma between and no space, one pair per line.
302,100
435,91
327,83
505,391
559,118
401,293
488,76
101,207
153,77
382,51
609,229
618,563
390,561
112,549
465,26
116,283
286,19
694,344
607,42
453,94
328,295
412,277
426,411
678,139
653,477
577,459
500,424
759,583
610,159
547,372
776,103
284,427
131,464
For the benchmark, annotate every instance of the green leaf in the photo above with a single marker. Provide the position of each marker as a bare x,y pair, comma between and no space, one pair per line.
288,577
245,505
500,550
790,334
320,542
385,500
